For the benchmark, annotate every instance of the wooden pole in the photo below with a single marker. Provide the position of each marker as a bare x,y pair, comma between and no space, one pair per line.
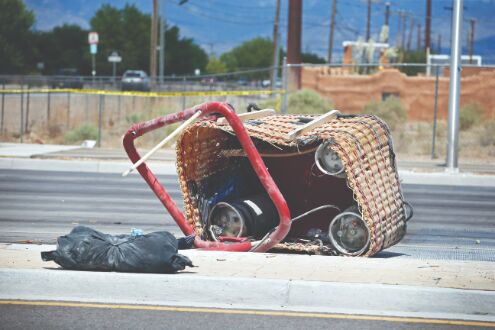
332,29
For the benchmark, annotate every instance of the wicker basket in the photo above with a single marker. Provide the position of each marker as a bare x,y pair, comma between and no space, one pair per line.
207,151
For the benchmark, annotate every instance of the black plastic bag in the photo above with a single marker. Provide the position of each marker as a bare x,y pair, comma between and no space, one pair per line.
87,249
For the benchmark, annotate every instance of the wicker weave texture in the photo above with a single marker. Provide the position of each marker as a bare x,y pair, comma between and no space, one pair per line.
363,143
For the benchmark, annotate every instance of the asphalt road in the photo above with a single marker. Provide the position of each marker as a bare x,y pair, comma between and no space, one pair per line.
450,222
116,317
38,206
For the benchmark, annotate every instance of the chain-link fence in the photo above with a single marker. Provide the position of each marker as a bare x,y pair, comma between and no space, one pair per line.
32,110
411,98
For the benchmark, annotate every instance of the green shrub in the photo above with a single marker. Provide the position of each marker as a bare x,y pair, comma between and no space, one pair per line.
81,133
305,101
134,118
487,135
391,111
471,114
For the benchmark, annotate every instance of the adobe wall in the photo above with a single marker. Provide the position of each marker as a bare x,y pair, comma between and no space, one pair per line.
350,93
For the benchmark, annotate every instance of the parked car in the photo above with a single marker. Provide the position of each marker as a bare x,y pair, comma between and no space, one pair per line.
67,78
135,80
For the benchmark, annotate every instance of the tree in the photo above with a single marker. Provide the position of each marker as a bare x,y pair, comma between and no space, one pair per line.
257,54
251,54
412,56
215,66
127,31
65,46
182,55
16,49
312,58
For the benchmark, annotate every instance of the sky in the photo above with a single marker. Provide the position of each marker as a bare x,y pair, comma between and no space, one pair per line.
220,25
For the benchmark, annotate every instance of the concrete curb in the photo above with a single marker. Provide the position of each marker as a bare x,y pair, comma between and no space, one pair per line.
190,290
89,166
168,168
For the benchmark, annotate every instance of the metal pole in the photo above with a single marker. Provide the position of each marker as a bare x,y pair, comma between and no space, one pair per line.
454,92
435,114
68,110
285,82
100,115
21,129
183,96
48,104
3,107
93,71
28,101
86,108
119,105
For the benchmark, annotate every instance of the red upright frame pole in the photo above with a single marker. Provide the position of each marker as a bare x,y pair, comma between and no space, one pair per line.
254,157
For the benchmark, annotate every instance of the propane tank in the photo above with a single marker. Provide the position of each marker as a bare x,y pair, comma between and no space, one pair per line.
349,233
244,217
328,161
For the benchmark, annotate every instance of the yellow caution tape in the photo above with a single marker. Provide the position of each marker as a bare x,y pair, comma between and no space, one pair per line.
144,94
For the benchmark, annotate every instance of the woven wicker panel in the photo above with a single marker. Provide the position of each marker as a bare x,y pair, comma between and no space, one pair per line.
363,143
198,156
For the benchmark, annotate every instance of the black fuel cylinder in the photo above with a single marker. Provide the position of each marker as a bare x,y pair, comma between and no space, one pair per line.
254,216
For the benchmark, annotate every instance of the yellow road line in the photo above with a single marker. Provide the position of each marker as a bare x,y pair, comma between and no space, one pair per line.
249,312
143,94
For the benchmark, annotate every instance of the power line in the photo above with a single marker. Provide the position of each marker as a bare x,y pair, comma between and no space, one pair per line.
195,11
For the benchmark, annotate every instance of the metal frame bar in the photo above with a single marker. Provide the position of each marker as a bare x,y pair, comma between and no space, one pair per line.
209,109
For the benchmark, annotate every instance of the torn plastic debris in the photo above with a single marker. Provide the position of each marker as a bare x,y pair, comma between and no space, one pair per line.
88,249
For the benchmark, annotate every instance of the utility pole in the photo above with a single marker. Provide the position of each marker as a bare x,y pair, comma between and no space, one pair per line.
162,40
153,39
409,38
332,29
454,90
212,47
397,39
294,41
428,26
275,44
404,24
418,38
439,42
368,23
387,14
472,23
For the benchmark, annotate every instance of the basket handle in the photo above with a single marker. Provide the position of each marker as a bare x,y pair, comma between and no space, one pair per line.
254,157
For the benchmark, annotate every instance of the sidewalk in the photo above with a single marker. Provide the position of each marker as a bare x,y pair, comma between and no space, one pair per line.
367,286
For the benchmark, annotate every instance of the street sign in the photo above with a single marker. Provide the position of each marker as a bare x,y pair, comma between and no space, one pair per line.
93,48
114,58
93,38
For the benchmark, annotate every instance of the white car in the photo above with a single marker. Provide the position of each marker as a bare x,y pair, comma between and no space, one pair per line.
133,80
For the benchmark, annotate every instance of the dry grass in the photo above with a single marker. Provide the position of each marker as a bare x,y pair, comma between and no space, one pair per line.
411,140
